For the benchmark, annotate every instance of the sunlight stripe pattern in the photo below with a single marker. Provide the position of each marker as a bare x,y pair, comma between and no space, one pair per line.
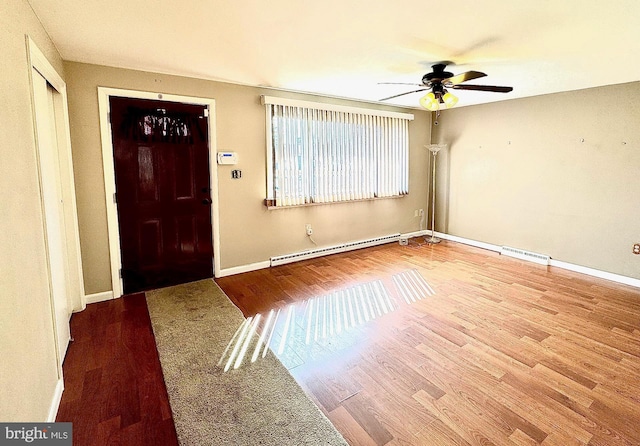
412,286
298,327
321,324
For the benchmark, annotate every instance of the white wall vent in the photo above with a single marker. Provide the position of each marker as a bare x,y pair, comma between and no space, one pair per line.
349,246
525,255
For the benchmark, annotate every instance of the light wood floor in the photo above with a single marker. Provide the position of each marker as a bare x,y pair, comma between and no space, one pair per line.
505,352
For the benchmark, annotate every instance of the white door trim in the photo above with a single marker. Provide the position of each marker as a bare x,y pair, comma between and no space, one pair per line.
110,179
39,62
72,264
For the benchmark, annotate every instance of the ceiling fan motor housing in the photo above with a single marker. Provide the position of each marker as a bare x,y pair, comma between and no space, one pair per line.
438,74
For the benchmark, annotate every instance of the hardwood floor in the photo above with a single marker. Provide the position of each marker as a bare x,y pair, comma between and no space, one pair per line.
504,352
114,390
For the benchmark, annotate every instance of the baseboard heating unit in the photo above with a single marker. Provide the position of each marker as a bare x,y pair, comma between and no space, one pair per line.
525,255
318,252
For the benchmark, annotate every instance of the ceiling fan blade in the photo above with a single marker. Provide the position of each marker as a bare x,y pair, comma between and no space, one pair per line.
463,77
402,94
493,88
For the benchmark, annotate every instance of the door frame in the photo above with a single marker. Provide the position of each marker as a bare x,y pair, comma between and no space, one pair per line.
108,163
39,62
72,263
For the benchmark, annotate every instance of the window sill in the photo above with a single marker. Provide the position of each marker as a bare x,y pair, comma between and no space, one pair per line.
270,203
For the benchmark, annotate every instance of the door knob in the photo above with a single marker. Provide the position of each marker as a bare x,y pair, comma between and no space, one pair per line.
206,201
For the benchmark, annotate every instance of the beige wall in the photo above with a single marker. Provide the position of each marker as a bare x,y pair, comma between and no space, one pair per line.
249,232
556,174
28,371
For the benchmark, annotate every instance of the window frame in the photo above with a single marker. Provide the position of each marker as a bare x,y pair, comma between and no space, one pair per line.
268,101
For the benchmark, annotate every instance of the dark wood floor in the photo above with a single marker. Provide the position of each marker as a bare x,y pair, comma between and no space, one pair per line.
114,392
505,352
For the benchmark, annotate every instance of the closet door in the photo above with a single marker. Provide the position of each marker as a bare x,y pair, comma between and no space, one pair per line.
52,205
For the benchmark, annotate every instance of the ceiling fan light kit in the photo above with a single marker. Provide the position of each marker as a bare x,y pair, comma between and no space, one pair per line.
430,102
449,99
439,80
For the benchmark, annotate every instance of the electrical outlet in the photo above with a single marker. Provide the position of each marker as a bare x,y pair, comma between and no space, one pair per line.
415,213
309,229
636,248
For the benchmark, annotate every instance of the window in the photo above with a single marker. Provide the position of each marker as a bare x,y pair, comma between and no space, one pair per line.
320,153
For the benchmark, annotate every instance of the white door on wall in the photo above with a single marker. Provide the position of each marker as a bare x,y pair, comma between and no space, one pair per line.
51,189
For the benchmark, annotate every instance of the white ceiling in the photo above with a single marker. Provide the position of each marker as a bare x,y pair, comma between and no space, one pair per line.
345,47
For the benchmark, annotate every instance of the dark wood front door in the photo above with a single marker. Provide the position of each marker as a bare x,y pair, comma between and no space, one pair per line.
162,189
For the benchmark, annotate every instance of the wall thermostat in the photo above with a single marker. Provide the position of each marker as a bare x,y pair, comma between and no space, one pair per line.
227,158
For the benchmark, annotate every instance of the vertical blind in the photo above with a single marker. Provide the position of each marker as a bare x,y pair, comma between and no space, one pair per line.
325,155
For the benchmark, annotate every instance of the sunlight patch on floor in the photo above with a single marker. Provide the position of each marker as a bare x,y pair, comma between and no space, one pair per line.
321,325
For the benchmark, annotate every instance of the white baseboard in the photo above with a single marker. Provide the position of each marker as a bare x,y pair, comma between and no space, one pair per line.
55,401
266,264
596,273
466,241
243,269
98,297
553,262
415,234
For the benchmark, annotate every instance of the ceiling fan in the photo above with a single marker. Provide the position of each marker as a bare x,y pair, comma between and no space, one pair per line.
439,80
